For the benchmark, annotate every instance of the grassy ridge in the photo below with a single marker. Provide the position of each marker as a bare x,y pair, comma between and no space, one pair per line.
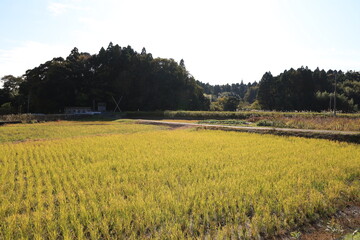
300,120
336,124
230,115
171,184
25,118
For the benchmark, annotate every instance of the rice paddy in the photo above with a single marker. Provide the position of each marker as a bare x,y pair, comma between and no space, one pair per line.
120,180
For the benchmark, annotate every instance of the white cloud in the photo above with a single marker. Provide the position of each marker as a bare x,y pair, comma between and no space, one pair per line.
57,8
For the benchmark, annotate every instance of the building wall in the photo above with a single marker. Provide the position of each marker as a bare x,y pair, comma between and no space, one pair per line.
77,110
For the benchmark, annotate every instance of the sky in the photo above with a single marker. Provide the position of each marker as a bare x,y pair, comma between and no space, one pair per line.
221,41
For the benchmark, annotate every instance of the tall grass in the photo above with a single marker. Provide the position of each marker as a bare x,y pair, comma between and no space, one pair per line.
26,118
302,120
243,114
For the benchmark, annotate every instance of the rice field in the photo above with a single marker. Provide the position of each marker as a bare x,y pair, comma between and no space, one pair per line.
67,129
120,180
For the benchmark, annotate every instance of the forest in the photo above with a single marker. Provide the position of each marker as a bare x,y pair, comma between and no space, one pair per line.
145,83
292,90
306,90
141,81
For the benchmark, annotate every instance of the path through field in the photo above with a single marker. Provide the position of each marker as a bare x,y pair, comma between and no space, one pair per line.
347,136
261,129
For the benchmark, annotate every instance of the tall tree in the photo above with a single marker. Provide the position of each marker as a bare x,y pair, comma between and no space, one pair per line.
266,93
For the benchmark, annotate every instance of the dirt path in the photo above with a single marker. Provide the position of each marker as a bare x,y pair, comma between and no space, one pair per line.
347,136
250,129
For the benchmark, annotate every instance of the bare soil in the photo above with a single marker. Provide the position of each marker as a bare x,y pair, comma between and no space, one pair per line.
346,221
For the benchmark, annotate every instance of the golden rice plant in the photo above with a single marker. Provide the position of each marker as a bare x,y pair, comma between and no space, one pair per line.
154,183
66,129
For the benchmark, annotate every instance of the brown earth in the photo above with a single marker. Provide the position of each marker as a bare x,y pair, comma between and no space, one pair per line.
343,222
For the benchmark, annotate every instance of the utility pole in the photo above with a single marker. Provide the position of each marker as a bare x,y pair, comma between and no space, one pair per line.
335,97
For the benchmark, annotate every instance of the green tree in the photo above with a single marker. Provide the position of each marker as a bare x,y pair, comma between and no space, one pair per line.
266,93
229,103
11,85
251,94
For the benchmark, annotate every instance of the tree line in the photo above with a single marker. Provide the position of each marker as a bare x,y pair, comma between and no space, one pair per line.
141,81
292,90
306,90
146,83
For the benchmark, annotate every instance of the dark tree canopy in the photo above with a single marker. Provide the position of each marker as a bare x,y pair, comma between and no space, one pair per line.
306,90
147,84
82,79
292,90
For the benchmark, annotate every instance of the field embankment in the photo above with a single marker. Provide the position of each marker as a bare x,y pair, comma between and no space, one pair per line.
231,115
28,118
344,136
296,120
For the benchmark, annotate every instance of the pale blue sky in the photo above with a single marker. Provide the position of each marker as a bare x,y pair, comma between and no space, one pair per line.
223,41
